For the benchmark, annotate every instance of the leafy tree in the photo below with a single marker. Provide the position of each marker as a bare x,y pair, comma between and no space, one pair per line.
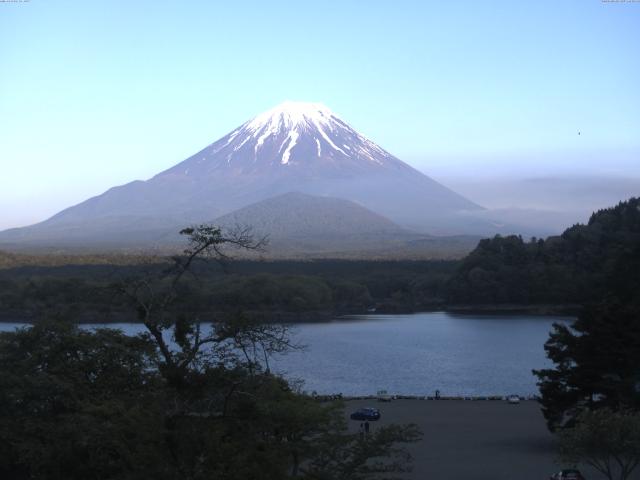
181,401
348,457
77,404
156,298
597,364
608,441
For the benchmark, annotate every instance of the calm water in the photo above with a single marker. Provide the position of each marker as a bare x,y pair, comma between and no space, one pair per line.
415,354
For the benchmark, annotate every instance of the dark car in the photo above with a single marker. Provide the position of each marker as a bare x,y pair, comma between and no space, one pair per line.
567,475
370,414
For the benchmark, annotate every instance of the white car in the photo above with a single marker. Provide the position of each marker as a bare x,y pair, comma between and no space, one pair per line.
513,399
383,396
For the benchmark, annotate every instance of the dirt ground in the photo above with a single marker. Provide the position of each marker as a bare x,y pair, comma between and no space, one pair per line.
477,440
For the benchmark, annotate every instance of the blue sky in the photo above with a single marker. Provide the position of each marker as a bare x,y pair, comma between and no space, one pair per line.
94,94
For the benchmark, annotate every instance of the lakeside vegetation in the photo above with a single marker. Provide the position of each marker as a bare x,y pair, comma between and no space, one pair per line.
285,290
573,268
502,274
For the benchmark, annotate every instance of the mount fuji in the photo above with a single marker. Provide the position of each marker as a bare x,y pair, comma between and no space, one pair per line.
294,147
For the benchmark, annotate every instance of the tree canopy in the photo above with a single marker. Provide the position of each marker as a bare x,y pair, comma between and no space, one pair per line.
608,441
575,267
179,401
597,358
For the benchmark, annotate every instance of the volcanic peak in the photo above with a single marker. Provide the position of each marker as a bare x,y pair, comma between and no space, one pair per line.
292,120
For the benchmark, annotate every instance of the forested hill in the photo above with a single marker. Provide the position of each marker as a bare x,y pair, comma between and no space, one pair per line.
583,264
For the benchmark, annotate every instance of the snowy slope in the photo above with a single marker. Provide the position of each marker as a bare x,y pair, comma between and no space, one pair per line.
293,135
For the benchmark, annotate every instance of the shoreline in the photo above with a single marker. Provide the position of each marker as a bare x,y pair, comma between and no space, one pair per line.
507,309
428,398
326,316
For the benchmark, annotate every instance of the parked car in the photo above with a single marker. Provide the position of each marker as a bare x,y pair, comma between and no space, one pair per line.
366,414
513,399
567,475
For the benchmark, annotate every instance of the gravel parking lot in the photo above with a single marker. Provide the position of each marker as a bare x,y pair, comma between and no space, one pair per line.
475,440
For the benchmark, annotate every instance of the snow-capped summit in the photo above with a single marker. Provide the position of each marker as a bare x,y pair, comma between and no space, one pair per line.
293,119
292,115
292,134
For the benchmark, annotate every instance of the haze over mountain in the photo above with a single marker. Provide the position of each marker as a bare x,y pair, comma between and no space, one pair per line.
549,203
302,147
301,224
299,215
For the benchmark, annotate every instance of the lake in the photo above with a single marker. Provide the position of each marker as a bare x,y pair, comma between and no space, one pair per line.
414,354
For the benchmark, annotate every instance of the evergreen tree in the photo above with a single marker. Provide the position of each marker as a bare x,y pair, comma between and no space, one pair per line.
597,364
597,358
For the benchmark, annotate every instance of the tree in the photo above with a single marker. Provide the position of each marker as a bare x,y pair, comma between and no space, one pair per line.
608,441
157,301
182,401
221,378
597,364
597,358
348,457
576,267
78,404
